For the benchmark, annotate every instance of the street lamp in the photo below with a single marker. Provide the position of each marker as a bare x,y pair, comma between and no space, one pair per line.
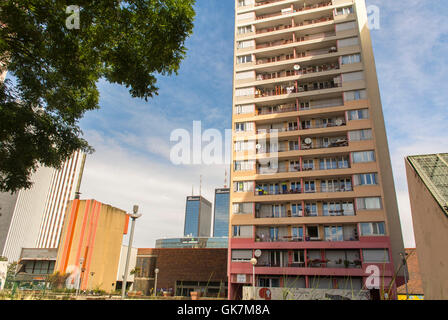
81,261
253,261
156,271
134,217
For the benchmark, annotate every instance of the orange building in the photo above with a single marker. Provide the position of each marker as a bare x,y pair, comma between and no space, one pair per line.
91,242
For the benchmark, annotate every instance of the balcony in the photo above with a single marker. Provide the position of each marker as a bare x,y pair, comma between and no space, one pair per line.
277,109
320,36
285,90
285,57
304,8
262,3
284,129
304,71
335,143
332,124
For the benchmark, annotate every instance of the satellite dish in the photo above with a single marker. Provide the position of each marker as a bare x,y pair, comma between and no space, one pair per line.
258,146
257,253
339,122
308,141
297,67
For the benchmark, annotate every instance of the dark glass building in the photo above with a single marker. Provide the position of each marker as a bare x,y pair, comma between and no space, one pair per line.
221,215
198,217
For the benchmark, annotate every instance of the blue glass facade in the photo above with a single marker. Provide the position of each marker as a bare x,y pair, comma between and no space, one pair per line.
221,216
192,217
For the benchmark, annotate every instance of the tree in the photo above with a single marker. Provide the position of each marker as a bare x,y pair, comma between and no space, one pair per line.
57,280
56,66
10,275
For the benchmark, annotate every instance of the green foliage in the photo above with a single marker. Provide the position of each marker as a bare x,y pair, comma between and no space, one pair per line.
56,70
57,280
10,275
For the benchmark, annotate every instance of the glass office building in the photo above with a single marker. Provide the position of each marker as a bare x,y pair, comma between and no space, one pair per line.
198,215
221,214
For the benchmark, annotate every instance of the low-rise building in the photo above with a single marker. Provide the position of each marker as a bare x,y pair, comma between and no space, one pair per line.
34,268
182,270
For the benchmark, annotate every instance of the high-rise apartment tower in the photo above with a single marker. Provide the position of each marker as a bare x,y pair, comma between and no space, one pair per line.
313,196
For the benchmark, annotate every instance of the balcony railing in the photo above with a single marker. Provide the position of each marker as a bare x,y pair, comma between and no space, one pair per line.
262,3
283,90
287,129
305,8
277,109
320,36
342,142
322,125
285,57
261,192
291,73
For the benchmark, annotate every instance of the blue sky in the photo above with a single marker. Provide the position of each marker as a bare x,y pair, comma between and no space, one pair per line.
132,137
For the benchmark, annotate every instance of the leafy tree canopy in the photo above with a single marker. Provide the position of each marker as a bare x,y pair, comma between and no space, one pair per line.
56,66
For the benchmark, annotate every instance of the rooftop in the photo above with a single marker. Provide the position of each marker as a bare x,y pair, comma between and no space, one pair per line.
433,170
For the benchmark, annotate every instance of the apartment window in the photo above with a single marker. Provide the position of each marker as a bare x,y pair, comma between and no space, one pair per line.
310,186
334,163
344,11
308,164
244,165
242,231
336,185
297,232
366,179
244,127
246,44
349,42
244,109
296,210
243,92
269,282
312,232
358,114
243,3
243,208
244,59
334,233
296,186
372,203
278,210
241,255
338,208
311,209
244,146
355,95
245,29
353,76
293,145
364,156
375,255
373,229
345,26
243,186
298,256
360,135
350,59
273,233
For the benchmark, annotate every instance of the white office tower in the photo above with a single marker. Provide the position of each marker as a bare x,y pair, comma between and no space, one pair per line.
39,211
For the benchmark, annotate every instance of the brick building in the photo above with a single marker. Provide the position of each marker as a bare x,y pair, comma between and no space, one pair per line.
182,271
415,286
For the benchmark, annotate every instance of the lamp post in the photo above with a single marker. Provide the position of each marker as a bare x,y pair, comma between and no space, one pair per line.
81,261
134,217
156,271
253,261
403,261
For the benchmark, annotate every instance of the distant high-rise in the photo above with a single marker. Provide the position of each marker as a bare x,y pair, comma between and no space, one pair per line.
198,217
35,217
221,213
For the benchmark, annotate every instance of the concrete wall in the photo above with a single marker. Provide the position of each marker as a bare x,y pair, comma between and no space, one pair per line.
7,204
303,294
93,232
122,263
431,237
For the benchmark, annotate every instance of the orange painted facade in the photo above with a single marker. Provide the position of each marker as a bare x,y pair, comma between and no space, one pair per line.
91,242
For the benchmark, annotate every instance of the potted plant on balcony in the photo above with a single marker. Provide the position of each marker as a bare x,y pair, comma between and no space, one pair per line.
346,263
195,295
357,262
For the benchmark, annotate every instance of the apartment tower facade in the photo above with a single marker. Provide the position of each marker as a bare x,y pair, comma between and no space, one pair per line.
313,196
